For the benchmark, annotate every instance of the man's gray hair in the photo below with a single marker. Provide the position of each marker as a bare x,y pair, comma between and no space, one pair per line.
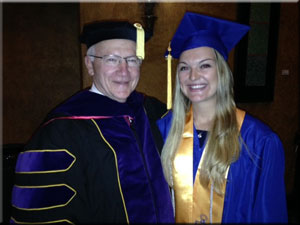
91,51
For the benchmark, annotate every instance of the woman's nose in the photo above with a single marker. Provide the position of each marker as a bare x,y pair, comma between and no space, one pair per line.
194,74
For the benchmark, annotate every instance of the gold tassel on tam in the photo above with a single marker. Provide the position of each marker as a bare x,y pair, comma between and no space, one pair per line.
140,41
169,79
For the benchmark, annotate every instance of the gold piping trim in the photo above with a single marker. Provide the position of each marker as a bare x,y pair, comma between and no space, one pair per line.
240,115
50,171
116,163
48,222
164,114
46,186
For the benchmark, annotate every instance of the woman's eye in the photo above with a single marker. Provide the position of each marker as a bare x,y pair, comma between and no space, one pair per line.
204,66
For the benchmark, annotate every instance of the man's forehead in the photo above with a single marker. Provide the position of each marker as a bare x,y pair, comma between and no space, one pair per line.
115,44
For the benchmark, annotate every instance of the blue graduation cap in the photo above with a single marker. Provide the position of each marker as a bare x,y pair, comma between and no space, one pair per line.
196,30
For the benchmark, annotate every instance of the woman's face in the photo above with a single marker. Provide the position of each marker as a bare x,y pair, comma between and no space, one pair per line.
197,71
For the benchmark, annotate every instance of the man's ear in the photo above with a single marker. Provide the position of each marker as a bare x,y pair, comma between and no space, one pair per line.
89,65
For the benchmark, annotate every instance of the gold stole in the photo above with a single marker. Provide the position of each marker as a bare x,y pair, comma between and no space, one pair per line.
192,203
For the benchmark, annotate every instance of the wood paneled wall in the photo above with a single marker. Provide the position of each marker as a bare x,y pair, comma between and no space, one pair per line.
41,63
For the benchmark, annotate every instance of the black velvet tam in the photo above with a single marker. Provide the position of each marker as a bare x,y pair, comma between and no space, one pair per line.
97,31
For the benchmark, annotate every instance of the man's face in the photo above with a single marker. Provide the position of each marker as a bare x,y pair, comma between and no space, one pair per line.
116,82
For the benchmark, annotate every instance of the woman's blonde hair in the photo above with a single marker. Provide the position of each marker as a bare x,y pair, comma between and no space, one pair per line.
223,140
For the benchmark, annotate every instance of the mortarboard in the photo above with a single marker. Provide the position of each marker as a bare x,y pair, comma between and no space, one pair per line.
196,30
97,31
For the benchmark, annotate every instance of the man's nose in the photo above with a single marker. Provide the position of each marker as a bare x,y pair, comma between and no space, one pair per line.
123,66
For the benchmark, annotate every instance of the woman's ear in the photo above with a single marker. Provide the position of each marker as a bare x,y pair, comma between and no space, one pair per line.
89,65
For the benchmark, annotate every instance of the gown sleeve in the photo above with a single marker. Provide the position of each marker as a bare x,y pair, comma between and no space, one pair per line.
270,201
255,190
55,177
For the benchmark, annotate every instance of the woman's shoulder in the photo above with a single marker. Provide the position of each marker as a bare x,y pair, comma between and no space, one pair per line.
166,117
164,123
258,131
252,123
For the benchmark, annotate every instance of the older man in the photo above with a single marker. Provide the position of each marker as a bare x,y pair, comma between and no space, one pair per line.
94,160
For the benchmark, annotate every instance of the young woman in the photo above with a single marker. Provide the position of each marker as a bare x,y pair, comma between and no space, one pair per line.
223,165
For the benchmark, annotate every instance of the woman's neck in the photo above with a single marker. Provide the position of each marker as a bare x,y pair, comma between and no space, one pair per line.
203,115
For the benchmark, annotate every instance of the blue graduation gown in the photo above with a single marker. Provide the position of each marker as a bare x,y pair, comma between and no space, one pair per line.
255,189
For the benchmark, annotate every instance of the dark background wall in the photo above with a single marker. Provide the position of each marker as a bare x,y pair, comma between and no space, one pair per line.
42,62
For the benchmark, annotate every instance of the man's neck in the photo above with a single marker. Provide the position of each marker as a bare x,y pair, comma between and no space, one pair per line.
95,90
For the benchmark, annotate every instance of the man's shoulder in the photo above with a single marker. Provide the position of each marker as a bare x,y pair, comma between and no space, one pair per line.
154,106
